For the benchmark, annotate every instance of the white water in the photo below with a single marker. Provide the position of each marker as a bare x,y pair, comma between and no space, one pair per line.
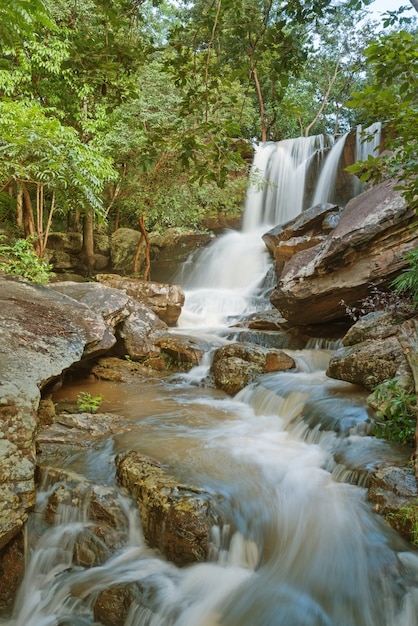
299,546
228,278
368,142
326,183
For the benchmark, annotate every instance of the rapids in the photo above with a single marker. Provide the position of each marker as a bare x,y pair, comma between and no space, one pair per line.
290,455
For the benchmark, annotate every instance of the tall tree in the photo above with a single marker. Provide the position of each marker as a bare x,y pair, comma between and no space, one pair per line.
262,43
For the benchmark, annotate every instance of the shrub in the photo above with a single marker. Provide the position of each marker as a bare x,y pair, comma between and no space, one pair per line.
21,259
88,403
396,412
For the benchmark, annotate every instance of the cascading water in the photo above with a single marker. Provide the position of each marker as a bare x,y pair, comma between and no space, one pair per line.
326,183
230,277
299,544
368,143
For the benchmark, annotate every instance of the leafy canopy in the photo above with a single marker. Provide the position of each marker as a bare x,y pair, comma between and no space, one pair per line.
36,148
392,96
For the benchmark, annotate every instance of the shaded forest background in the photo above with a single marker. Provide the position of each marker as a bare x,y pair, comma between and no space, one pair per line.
142,113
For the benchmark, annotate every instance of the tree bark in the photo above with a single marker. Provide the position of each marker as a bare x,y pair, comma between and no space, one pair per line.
28,217
87,253
144,237
147,246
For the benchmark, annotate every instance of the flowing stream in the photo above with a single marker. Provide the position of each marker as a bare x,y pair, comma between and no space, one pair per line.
290,456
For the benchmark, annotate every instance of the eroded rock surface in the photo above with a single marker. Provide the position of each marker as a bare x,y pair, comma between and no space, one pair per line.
393,492
371,351
164,299
42,333
235,365
133,323
367,246
177,518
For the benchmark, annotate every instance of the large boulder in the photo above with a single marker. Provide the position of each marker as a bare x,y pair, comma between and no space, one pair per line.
64,252
235,365
165,300
367,246
177,518
123,248
371,351
135,325
306,228
42,334
393,492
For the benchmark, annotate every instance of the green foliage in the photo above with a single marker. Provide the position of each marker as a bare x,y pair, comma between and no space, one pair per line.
37,148
392,95
88,403
407,282
405,520
397,413
21,259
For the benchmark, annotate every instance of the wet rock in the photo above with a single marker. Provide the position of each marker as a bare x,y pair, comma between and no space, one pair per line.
108,530
164,299
112,606
368,363
116,369
367,246
42,333
393,492
112,304
308,225
12,569
235,365
264,320
177,518
46,411
135,325
138,333
286,249
81,429
371,351
182,351
172,247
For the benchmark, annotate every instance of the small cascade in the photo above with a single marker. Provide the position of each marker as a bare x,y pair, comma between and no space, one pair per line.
325,187
232,276
368,143
277,191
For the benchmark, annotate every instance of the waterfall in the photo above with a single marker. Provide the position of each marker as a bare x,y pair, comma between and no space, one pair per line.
233,276
367,145
368,141
278,179
297,543
326,183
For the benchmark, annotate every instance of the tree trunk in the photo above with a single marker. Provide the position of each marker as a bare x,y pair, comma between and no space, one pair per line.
87,252
147,246
19,206
28,219
144,237
260,102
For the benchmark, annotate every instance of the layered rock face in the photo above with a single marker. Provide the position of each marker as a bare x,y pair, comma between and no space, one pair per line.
43,332
165,300
40,337
368,245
